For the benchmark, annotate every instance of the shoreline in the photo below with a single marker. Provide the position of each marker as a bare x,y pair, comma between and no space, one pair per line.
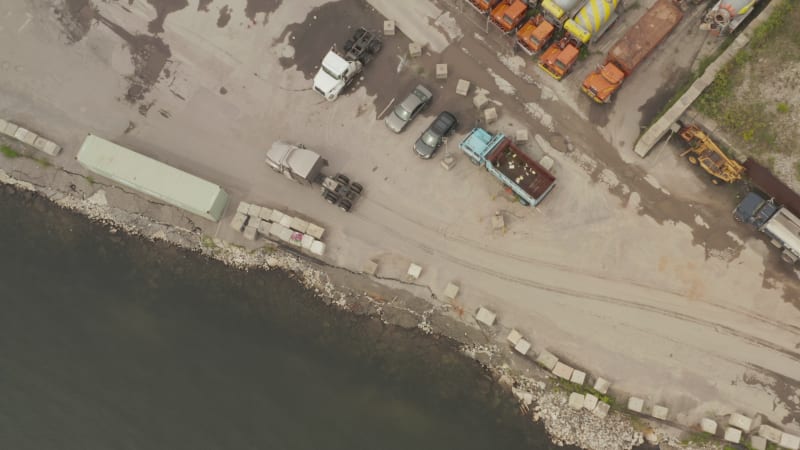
391,301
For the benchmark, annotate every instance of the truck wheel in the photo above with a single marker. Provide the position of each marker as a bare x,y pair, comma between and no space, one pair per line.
345,205
331,198
716,181
342,178
357,188
692,160
375,47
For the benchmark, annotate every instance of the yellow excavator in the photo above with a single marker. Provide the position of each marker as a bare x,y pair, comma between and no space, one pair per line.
705,153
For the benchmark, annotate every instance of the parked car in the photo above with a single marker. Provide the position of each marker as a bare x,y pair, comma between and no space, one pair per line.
431,139
403,113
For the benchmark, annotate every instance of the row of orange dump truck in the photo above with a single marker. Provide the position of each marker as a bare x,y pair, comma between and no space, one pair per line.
578,23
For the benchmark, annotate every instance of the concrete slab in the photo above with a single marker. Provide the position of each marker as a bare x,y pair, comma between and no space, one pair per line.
578,377
286,221
601,410
307,241
769,433
296,238
451,291
254,211
522,347
249,232
370,267
490,115
741,422
514,336
576,400
602,385
485,316
10,129
659,412
547,360
521,136
299,224
462,87
480,101
790,441
276,216
243,208
318,248
590,402
758,443
414,50
708,425
389,27
733,435
562,370
547,162
441,71
635,404
285,234
276,230
498,222
3,124
47,146
414,271
26,136
266,213
263,226
315,230
238,222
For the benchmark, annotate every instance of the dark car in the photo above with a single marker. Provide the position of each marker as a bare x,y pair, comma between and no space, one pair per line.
403,113
431,139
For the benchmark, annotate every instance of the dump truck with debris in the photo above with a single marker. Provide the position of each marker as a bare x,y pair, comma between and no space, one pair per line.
703,151
626,55
483,6
508,14
778,223
526,178
339,69
726,15
304,166
536,33
588,25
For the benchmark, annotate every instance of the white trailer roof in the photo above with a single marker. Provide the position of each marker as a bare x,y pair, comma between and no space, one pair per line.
786,227
152,177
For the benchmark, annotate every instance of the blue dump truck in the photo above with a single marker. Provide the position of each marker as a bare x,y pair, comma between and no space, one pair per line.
526,178
780,225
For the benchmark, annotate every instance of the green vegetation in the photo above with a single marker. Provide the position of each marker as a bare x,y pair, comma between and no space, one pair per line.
43,162
797,170
9,152
566,386
698,438
90,179
783,107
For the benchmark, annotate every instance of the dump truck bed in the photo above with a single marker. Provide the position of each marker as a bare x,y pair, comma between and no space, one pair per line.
523,171
645,35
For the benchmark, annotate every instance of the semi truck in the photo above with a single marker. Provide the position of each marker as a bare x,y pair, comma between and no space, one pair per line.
304,166
626,55
539,29
508,14
588,25
778,223
339,69
726,15
526,178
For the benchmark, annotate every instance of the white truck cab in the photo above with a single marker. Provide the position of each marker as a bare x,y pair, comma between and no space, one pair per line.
334,74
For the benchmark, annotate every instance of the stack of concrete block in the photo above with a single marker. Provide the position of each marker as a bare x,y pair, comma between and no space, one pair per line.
29,137
485,316
253,220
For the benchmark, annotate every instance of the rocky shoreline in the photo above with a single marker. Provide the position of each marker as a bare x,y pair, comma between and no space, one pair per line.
539,397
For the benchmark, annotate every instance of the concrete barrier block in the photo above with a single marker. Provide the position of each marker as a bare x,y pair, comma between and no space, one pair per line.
514,336
414,50
490,115
562,370
547,360
249,232
370,267
254,211
10,129
462,87
769,433
790,441
480,101
47,146
389,27
590,402
758,443
299,224
578,377
3,124
307,241
635,404
451,291
521,136
315,230
275,229
318,248
576,400
239,221
441,71
733,435
660,412
414,271
243,208
547,162
601,410
522,347
26,136
286,221
448,162
708,425
285,234
266,213
741,422
485,316
296,238
602,385
263,227
276,216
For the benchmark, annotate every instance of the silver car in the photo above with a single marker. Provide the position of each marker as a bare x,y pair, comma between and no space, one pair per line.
403,113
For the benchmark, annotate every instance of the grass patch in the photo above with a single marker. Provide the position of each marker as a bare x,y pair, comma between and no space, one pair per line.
90,179
797,170
783,107
43,162
208,242
698,438
9,152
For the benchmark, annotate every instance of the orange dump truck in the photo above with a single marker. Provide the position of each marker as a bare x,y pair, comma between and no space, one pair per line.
588,25
484,6
538,30
508,14
623,58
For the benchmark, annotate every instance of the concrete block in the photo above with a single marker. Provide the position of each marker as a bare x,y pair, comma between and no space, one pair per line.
243,208
562,370
370,267
448,162
733,435
589,402
522,347
758,443
10,129
490,115
276,229
547,360
266,213
414,271
307,241
635,404
485,316
250,232
414,50
790,441
498,222
741,422
769,433
254,211
521,136
299,224
389,27
601,410
576,400
3,124
480,101
602,385
285,234
547,162
315,230
660,412
296,238
47,146
276,216
514,336
708,425
286,221
451,291
462,87
318,248
25,135
263,226
578,377
239,221
441,71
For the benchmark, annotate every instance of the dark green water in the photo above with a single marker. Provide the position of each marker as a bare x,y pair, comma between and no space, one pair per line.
108,342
